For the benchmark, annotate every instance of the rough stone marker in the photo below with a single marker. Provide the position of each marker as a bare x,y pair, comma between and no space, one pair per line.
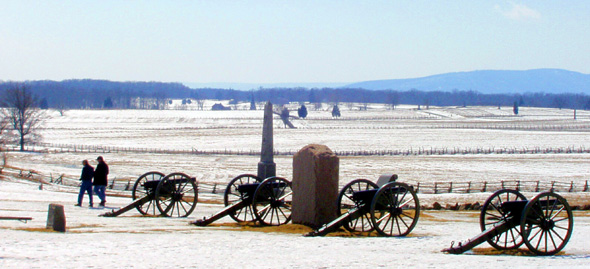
56,218
315,186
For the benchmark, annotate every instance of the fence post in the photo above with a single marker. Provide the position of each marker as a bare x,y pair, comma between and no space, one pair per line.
502,184
450,187
485,185
214,188
586,186
418,187
469,187
552,185
571,187
128,185
518,185
537,188
435,187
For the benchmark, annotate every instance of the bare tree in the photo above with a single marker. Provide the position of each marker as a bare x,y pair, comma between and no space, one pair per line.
22,113
3,126
61,108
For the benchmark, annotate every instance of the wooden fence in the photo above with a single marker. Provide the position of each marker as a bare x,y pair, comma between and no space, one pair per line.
488,186
421,187
69,148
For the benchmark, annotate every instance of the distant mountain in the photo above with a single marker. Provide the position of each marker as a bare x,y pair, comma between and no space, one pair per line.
490,82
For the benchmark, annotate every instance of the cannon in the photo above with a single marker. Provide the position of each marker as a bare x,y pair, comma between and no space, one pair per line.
507,220
247,198
174,195
391,208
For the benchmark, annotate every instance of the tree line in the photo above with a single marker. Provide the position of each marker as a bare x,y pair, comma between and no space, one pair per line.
95,94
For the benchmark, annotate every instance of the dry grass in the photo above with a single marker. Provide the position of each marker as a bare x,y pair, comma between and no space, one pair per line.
512,252
43,230
448,216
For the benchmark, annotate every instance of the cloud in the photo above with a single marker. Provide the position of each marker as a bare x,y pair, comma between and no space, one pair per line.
518,12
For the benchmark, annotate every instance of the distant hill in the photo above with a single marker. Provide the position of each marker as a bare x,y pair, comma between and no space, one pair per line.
490,82
256,86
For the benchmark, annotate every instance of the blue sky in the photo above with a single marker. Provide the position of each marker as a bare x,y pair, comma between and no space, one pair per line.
287,41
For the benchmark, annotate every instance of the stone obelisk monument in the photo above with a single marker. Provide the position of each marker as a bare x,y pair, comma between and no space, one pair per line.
266,166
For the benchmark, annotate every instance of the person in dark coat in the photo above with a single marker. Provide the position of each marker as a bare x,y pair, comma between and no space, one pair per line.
86,186
101,180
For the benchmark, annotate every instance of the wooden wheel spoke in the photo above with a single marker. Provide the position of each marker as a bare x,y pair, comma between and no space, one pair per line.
539,230
540,240
403,221
388,217
560,227
406,202
382,217
496,217
554,215
496,208
356,221
552,240
399,228
263,211
282,212
181,203
409,216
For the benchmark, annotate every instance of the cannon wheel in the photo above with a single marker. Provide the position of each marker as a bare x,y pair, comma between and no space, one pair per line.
547,223
346,203
272,201
232,195
492,214
139,191
176,195
395,209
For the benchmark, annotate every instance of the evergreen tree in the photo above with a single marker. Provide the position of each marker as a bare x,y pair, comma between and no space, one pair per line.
335,111
108,103
302,112
43,104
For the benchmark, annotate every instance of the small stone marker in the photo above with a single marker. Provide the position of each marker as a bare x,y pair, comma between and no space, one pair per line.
315,186
56,218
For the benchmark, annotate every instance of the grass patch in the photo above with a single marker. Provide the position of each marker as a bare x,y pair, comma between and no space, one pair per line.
511,252
43,230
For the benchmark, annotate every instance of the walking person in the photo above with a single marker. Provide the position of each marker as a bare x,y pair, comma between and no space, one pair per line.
86,178
101,180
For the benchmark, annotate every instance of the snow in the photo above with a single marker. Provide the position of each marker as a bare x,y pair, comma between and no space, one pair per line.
145,242
135,241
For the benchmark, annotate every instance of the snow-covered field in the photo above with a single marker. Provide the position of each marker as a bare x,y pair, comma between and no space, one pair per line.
134,241
403,129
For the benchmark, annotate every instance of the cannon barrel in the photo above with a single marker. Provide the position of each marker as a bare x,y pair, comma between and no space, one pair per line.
224,212
354,213
461,247
133,205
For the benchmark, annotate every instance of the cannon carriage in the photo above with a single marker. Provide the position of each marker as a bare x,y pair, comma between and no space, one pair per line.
388,207
248,198
508,220
173,195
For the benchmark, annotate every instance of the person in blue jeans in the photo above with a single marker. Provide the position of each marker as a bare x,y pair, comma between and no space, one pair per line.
101,180
86,178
